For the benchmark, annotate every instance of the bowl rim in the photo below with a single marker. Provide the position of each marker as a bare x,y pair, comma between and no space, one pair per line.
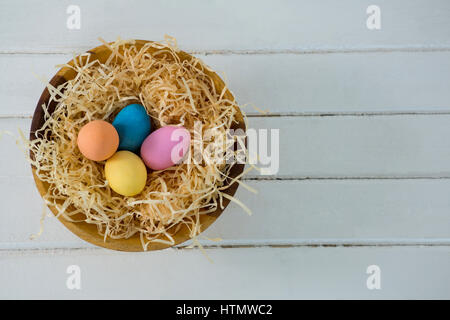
88,232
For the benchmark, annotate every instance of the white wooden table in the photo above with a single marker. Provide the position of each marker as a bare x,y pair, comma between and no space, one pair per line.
364,179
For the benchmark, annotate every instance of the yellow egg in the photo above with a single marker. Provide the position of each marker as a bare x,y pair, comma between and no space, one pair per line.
126,173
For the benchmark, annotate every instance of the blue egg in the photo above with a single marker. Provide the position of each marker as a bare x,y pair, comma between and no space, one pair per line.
133,126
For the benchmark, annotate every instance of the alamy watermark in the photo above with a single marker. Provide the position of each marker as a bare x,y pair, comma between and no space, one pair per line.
259,147
73,21
373,281
373,21
73,281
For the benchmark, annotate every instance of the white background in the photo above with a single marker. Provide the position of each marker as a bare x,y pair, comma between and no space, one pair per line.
364,119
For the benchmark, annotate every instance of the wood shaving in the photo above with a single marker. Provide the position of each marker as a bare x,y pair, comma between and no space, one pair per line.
174,92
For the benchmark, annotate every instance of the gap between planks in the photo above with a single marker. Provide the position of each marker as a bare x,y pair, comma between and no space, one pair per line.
313,178
250,177
444,243
306,114
299,51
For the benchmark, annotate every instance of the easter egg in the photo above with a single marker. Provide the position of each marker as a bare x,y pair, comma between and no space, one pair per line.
133,126
126,173
165,147
98,140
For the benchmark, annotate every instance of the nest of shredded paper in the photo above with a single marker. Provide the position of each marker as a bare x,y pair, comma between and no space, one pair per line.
174,92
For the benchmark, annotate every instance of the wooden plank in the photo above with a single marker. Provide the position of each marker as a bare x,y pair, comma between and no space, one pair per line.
336,147
284,212
324,211
248,273
339,83
228,25
283,83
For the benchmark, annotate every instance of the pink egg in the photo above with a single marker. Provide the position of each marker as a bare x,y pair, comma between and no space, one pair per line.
165,147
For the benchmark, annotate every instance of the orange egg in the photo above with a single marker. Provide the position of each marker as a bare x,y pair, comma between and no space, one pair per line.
98,140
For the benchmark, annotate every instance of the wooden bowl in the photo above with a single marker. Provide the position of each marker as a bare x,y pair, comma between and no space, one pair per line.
88,232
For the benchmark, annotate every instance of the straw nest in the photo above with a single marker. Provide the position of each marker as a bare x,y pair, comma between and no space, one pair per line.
174,91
